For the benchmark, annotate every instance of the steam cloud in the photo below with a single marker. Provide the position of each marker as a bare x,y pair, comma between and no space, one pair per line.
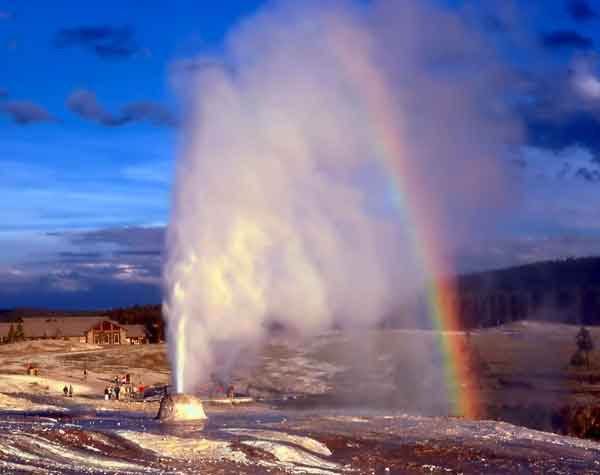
281,208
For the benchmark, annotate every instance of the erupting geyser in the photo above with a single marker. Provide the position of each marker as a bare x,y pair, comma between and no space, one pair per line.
324,169
181,408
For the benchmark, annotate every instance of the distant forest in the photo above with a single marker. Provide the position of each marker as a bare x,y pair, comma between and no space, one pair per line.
566,291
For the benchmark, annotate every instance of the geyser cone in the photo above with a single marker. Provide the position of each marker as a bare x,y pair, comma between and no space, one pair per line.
181,408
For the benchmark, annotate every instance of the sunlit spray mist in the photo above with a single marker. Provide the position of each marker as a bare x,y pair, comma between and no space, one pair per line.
289,203
180,354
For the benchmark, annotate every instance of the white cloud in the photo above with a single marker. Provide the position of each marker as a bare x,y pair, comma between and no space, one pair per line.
560,165
585,81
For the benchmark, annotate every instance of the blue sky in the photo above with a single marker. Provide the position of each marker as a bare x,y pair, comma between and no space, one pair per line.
89,122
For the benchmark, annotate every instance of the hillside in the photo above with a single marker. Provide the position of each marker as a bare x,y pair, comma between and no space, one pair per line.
566,291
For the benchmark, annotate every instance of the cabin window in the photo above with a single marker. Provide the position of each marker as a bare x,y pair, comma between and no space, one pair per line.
116,338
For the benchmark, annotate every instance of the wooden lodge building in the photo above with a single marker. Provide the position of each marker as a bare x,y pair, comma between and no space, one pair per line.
93,330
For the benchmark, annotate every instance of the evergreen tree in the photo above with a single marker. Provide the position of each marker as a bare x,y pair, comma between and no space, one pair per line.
19,332
11,333
585,344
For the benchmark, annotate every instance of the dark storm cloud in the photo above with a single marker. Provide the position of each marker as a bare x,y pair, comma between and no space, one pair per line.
129,238
566,39
580,10
79,256
106,42
558,133
150,111
140,247
147,253
72,290
558,112
103,268
85,104
26,112
591,176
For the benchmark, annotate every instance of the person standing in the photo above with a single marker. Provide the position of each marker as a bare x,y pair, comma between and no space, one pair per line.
117,391
70,390
106,393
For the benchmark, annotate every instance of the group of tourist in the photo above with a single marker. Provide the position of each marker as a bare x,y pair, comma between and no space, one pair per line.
123,388
111,392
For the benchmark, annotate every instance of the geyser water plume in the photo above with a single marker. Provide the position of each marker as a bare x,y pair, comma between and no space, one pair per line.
283,209
180,354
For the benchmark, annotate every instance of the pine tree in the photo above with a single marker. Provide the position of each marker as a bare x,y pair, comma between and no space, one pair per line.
585,343
11,333
19,332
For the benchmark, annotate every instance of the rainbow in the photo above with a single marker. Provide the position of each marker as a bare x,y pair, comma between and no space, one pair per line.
422,214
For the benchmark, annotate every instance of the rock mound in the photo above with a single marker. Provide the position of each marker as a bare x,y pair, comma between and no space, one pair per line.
181,408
